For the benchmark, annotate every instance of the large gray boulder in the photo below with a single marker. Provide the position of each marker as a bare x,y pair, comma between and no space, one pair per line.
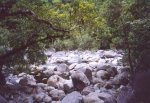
74,97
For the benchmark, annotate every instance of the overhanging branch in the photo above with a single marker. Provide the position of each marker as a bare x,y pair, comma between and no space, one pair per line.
31,15
5,56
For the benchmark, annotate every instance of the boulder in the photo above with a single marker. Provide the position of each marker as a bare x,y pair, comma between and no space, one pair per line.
90,57
42,85
88,90
112,71
88,74
74,59
23,82
55,102
103,67
74,97
47,99
109,54
100,53
72,66
54,81
48,72
120,79
86,69
102,74
57,94
60,83
107,97
39,90
99,85
80,81
28,100
62,68
98,80
68,86
39,97
92,98
48,88
81,67
108,85
93,64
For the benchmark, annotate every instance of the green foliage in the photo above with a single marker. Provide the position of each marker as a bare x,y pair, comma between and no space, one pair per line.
24,35
137,32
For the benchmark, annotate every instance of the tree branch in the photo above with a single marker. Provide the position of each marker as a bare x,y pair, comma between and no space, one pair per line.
31,15
5,56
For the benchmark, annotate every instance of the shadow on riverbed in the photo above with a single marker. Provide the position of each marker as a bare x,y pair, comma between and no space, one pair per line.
139,91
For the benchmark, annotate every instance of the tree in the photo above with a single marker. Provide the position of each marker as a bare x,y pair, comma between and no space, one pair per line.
24,35
138,35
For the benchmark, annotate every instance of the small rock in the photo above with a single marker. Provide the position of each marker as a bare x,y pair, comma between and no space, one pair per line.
72,66
39,97
29,90
88,90
27,100
48,72
49,88
47,99
39,89
57,73
42,85
56,102
57,94
22,74
99,85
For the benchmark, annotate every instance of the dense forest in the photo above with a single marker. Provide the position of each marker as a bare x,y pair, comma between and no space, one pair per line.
29,27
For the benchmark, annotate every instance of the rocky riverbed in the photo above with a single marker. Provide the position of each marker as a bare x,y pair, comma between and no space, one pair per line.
71,77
